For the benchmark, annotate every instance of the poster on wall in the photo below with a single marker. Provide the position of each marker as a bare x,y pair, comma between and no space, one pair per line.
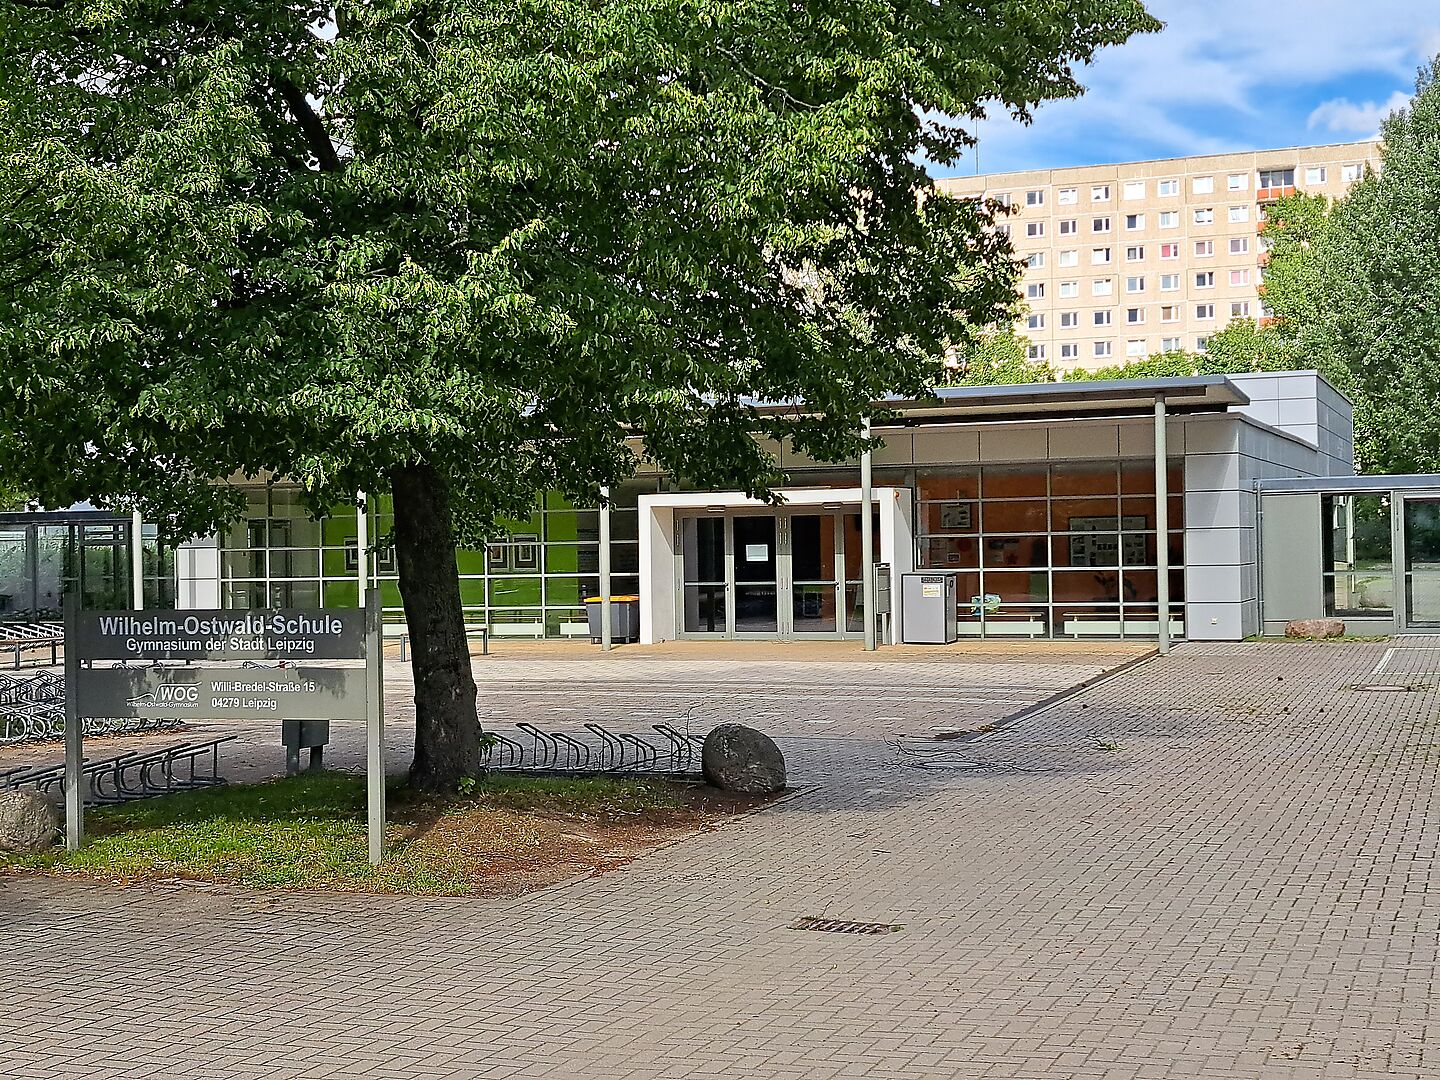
757,552
1098,544
955,515
384,560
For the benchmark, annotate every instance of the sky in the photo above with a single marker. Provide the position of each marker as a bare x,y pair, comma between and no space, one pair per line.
1227,75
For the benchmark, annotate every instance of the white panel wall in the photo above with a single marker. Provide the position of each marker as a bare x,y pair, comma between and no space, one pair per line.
197,573
1305,405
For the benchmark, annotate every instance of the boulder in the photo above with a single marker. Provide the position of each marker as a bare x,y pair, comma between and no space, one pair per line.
28,823
738,758
1315,628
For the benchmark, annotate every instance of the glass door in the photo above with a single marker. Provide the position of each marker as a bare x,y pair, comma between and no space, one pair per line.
816,557
755,546
703,589
1421,534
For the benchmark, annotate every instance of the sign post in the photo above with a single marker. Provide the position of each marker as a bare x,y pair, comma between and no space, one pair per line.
213,692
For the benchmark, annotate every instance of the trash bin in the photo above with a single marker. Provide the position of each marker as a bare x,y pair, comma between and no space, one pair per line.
624,618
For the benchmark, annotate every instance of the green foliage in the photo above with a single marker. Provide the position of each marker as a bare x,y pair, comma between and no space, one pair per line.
994,358
490,239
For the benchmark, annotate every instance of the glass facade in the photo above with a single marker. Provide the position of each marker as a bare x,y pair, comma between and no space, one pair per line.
531,581
1358,571
45,557
1053,551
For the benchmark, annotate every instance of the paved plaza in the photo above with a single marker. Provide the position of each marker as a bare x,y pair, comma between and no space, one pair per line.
1216,864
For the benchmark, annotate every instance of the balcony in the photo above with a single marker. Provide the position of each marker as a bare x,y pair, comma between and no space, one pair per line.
1272,194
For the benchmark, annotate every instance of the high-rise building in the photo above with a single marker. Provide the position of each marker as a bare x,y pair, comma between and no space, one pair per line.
1125,261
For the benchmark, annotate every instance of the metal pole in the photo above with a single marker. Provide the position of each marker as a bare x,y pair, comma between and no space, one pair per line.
1162,529
362,547
606,635
375,731
137,560
867,542
74,734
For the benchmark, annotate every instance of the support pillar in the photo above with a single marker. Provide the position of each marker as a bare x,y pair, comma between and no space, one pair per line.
867,541
606,630
137,560
1162,529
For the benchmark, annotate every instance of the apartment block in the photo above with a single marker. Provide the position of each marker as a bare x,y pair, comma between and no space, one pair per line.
1124,261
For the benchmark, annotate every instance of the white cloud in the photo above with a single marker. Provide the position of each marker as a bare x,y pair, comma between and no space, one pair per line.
1219,78
1347,117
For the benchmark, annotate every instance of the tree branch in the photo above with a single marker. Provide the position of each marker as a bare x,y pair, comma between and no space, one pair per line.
311,126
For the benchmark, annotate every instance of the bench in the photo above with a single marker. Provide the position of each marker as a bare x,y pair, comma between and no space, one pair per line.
399,632
1090,626
21,636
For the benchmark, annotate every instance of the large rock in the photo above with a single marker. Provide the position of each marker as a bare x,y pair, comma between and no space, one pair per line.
28,823
738,758
1315,628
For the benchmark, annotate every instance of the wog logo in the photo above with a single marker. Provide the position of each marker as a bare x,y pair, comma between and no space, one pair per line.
176,692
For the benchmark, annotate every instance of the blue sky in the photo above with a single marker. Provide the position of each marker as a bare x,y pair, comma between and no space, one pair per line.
1227,75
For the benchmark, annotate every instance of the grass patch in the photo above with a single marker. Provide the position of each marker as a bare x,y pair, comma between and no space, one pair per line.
309,832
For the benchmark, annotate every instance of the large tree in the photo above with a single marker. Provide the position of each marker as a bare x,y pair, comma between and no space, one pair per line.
457,251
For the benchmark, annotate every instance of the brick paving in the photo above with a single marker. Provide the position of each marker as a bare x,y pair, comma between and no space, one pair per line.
1216,865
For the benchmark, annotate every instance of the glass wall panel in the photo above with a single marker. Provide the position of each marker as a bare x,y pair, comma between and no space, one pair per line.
1359,575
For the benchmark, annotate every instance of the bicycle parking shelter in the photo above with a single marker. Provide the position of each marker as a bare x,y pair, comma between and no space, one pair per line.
212,684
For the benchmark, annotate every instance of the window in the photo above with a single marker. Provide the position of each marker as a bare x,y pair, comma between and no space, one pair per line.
1237,181
1202,344
1240,309
1170,344
1102,317
1101,287
1069,258
1169,251
1034,198
1205,279
1134,316
1035,290
1135,253
1239,245
1069,227
1003,230
1069,319
1205,216
1204,249
1099,256
1034,228
1170,313
1103,349
1002,197
1202,185
1169,282
1070,351
1100,193
1134,222
1204,311
1035,260
1134,284
1239,214
1036,352
1170,219
1069,289
1350,173
1135,347
1316,174
1100,224
1035,322
1277,178
1167,187
1264,243
1239,278
1133,189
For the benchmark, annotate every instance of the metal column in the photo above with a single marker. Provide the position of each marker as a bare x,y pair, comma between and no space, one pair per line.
374,730
74,735
137,560
867,542
1162,529
362,546
606,630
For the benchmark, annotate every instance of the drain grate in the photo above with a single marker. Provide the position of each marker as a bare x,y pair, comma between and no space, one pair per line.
844,926
1385,688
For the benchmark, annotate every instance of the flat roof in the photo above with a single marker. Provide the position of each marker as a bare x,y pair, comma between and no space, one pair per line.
1345,485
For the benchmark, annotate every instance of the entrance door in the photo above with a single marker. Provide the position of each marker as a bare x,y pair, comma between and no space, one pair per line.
1421,534
763,575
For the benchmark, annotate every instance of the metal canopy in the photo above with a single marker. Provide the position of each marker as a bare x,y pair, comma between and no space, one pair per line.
1345,485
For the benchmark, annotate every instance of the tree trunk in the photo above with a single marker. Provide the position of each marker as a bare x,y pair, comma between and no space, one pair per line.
447,731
